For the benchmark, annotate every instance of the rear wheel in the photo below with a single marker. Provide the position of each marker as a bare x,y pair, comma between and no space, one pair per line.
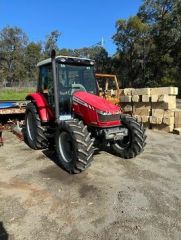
133,144
74,146
34,131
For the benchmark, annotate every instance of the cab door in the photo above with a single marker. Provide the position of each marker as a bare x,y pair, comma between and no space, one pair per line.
45,85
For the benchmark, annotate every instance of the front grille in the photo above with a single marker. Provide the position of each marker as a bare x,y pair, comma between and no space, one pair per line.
108,118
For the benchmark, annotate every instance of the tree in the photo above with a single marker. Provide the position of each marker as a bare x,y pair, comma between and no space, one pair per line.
102,61
132,40
12,45
66,52
32,57
51,42
164,20
148,45
97,53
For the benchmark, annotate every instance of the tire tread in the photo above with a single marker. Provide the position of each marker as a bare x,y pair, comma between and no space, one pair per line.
138,137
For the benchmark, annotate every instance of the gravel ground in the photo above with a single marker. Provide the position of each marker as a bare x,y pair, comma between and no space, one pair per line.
114,199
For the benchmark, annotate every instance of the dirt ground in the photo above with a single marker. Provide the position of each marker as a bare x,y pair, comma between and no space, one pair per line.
114,199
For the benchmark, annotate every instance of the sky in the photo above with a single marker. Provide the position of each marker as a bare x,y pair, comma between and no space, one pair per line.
81,23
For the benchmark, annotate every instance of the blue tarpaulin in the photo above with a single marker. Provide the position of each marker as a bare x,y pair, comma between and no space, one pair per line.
7,105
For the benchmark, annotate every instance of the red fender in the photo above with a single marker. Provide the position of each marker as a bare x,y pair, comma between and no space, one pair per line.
44,110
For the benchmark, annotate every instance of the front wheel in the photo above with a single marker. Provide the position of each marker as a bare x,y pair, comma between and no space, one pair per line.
132,144
34,131
74,146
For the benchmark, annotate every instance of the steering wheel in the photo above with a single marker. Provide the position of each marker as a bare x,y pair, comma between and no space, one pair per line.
77,87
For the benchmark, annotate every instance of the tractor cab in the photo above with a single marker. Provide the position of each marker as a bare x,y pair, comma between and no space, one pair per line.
72,75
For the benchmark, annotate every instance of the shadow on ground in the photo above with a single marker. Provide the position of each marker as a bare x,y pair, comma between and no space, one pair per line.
51,154
3,233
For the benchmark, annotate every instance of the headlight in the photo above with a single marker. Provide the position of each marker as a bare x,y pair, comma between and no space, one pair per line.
108,113
107,116
103,113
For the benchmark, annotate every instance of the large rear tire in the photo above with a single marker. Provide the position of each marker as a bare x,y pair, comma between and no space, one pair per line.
34,131
74,146
133,144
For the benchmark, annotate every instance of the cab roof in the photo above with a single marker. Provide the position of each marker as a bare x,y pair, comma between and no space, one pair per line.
68,59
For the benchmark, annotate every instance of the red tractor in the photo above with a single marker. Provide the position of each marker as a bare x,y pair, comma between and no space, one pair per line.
66,112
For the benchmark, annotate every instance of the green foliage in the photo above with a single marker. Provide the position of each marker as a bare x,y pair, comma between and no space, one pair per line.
32,57
97,53
65,52
148,49
51,42
12,45
19,57
148,45
131,38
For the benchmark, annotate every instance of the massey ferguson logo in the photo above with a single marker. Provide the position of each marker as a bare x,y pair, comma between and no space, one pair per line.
77,100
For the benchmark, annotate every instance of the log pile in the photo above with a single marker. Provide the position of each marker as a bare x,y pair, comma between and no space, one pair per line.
155,107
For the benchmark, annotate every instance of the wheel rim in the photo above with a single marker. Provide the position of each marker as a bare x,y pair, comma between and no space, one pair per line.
30,126
66,147
125,142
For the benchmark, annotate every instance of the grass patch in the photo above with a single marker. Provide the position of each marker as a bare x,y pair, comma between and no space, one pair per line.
15,93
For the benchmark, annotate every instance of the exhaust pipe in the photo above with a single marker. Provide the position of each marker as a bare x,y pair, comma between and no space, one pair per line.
55,83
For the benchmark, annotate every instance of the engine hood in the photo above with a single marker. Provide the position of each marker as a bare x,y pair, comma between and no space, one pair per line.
96,102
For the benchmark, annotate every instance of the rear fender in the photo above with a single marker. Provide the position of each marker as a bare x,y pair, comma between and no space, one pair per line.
44,110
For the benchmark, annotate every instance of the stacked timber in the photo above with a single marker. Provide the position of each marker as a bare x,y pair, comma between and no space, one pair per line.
155,107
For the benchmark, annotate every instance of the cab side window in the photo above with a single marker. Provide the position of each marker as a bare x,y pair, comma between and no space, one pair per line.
45,78
46,82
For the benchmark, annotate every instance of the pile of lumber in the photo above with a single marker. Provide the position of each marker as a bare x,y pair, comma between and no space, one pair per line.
155,107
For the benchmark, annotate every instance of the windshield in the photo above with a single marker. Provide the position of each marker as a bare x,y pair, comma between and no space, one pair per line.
73,78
